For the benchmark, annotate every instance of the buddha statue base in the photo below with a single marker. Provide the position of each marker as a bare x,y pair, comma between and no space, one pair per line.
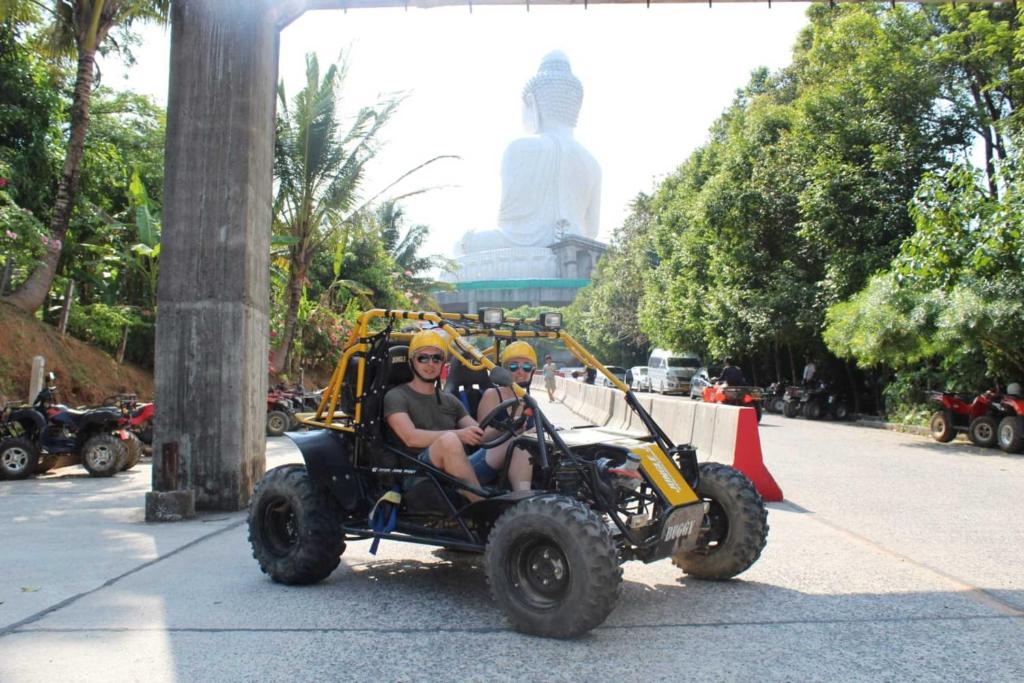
511,263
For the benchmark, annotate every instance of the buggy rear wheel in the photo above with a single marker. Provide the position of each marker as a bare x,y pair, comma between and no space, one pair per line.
791,409
19,458
294,529
735,527
552,567
983,432
941,427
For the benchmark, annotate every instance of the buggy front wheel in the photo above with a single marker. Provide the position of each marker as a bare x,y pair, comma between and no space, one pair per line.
294,528
735,527
552,567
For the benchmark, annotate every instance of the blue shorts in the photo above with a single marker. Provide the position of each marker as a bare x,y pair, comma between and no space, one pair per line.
478,459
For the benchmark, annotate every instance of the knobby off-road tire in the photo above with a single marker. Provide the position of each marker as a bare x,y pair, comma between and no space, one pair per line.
103,455
19,458
278,422
791,409
941,427
133,448
735,528
983,431
812,410
1011,434
778,405
294,529
552,567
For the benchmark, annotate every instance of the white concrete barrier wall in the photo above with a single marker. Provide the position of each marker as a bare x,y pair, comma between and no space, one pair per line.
574,396
597,404
676,418
711,428
620,412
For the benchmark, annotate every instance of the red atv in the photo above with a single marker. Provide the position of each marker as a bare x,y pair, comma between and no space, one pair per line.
281,409
745,397
978,417
137,420
1011,427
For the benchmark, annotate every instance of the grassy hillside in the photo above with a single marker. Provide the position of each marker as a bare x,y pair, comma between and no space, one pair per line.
85,374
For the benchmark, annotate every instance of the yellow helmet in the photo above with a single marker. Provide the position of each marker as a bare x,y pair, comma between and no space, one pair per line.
425,338
519,349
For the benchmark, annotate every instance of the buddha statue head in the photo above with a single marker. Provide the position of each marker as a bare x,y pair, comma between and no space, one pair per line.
554,96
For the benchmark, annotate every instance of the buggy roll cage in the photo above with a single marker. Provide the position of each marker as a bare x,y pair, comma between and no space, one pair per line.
458,326
361,342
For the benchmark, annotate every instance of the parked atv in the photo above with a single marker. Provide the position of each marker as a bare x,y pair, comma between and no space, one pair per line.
552,554
32,437
1011,426
745,397
774,398
978,416
281,411
817,401
137,420
791,405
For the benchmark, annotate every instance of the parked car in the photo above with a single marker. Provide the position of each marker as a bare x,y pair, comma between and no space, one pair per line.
670,372
615,370
701,380
573,372
641,378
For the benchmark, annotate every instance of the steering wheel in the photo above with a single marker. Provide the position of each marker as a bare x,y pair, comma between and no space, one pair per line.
508,426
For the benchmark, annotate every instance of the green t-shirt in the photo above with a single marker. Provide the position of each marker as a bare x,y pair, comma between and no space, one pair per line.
424,411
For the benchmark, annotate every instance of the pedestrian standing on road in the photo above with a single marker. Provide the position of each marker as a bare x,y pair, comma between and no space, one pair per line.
809,371
549,377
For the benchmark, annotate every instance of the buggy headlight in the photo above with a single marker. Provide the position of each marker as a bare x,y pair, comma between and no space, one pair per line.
552,320
492,317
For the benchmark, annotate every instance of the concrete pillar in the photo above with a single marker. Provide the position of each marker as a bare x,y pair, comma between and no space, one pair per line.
212,329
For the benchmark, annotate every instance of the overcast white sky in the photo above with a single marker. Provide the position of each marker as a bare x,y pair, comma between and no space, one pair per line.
654,80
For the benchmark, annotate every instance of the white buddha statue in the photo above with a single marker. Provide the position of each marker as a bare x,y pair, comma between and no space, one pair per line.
551,185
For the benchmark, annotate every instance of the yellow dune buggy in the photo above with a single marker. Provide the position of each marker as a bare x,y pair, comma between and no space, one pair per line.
553,555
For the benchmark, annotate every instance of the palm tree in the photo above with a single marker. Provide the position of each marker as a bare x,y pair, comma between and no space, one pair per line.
79,28
413,269
318,172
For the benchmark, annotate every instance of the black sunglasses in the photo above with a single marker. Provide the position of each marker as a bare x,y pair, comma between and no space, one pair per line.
430,358
527,367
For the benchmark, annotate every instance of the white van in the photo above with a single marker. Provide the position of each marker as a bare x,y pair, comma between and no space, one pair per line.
670,372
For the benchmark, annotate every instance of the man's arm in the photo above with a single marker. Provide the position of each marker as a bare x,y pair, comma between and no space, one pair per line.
413,437
488,402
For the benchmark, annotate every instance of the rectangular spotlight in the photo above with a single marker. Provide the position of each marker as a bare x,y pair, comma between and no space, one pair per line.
551,321
491,317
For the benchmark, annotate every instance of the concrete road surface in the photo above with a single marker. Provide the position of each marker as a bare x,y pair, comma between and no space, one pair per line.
892,559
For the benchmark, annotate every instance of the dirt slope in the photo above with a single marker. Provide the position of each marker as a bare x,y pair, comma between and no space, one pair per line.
85,374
